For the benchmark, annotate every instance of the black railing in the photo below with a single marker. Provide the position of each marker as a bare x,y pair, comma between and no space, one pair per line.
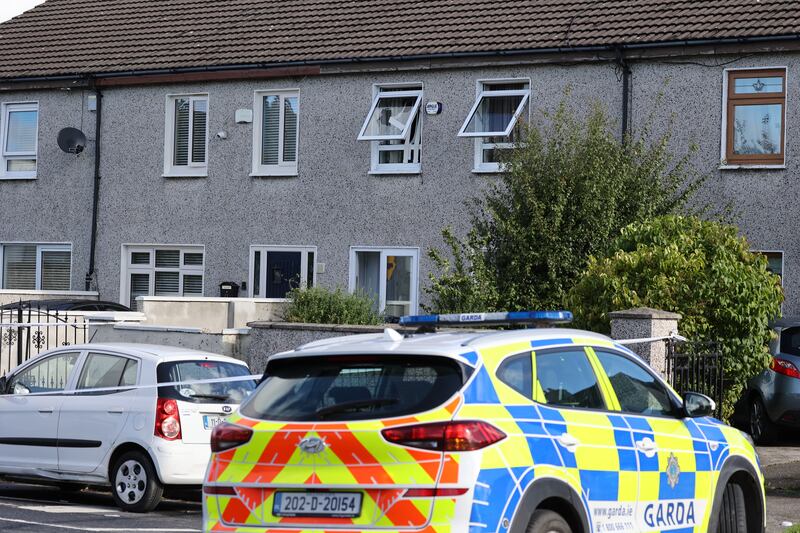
696,367
25,332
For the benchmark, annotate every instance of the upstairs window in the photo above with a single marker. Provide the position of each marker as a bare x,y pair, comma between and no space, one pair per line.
19,128
186,151
393,126
45,267
276,133
494,119
755,112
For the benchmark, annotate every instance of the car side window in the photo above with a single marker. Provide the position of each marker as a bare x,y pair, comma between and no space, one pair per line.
517,373
637,390
567,379
50,375
103,371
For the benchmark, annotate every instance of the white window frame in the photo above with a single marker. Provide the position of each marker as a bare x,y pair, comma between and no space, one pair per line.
128,268
283,168
266,249
385,252
6,110
377,95
479,145
40,247
723,151
409,145
783,261
191,169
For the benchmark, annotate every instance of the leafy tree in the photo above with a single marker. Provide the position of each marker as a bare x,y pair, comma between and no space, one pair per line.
700,269
570,185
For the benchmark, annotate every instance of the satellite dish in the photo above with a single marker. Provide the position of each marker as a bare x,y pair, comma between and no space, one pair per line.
71,140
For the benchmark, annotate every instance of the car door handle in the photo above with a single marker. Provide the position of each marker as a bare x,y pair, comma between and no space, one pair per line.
46,410
568,441
116,410
647,446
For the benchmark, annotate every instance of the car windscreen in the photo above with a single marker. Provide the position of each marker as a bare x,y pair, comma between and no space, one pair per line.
359,387
201,370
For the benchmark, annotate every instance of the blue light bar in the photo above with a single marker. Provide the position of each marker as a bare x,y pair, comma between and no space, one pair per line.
501,318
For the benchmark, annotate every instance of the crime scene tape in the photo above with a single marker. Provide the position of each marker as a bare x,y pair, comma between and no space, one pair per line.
127,388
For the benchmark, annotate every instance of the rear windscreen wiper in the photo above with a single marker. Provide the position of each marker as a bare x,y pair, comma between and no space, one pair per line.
210,396
355,404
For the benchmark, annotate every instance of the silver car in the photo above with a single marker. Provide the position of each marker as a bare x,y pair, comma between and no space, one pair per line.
773,396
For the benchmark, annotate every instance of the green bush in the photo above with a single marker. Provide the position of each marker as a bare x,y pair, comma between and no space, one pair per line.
570,186
319,305
700,269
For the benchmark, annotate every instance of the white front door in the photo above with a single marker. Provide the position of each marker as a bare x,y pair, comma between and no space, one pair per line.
29,414
90,422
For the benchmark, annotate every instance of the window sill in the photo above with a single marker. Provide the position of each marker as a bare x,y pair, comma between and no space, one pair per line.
17,178
753,166
488,171
292,174
381,172
183,175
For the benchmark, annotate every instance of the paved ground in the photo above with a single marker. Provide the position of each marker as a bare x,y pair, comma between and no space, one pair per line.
35,509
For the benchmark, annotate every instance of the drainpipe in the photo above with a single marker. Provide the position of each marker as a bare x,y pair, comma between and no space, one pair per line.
625,68
96,194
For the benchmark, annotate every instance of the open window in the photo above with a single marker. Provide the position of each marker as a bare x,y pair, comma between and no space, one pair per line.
394,127
392,114
494,120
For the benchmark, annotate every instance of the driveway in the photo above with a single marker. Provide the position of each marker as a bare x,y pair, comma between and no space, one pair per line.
781,466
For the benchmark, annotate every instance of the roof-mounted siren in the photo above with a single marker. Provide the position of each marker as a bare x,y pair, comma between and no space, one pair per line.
71,140
502,318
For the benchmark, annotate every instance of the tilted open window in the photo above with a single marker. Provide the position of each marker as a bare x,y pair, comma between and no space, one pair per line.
391,116
496,110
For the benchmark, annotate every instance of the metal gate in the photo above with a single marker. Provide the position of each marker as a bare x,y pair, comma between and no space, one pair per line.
696,367
26,332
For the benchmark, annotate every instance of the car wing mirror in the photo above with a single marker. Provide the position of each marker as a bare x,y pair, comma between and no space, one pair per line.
697,405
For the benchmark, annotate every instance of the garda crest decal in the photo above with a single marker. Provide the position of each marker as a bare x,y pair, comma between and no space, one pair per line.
673,471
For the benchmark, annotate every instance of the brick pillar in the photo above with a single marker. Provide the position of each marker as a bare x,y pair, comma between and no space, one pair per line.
642,323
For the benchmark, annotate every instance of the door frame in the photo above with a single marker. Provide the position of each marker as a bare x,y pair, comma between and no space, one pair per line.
385,251
262,279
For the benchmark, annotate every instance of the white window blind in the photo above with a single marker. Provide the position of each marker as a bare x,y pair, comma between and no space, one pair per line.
276,137
139,286
19,125
56,270
19,266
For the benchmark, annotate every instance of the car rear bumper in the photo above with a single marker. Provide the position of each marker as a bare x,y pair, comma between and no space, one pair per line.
783,401
179,463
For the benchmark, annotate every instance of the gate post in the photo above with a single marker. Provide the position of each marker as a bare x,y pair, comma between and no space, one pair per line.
642,323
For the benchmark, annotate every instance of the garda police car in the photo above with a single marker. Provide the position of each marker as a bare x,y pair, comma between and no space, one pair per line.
526,430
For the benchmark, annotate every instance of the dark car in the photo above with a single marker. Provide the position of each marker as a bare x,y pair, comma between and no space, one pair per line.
65,305
773,396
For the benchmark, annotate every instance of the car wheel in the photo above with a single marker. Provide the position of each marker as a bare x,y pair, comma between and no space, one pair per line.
761,427
733,515
136,486
546,521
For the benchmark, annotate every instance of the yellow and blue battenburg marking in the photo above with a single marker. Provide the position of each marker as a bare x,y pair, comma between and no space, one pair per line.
625,472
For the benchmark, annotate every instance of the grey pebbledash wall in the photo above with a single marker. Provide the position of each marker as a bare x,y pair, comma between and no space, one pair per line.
334,203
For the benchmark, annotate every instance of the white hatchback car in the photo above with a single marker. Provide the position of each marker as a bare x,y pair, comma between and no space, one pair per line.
136,440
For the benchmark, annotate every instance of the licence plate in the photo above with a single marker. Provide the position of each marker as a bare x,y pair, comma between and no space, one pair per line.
211,421
326,504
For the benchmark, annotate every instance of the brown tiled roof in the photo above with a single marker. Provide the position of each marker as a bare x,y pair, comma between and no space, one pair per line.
63,37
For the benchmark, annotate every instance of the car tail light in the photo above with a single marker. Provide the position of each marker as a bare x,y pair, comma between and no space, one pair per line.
168,419
434,493
226,436
461,436
782,366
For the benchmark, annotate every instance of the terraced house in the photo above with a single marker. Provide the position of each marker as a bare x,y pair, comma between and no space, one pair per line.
328,142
